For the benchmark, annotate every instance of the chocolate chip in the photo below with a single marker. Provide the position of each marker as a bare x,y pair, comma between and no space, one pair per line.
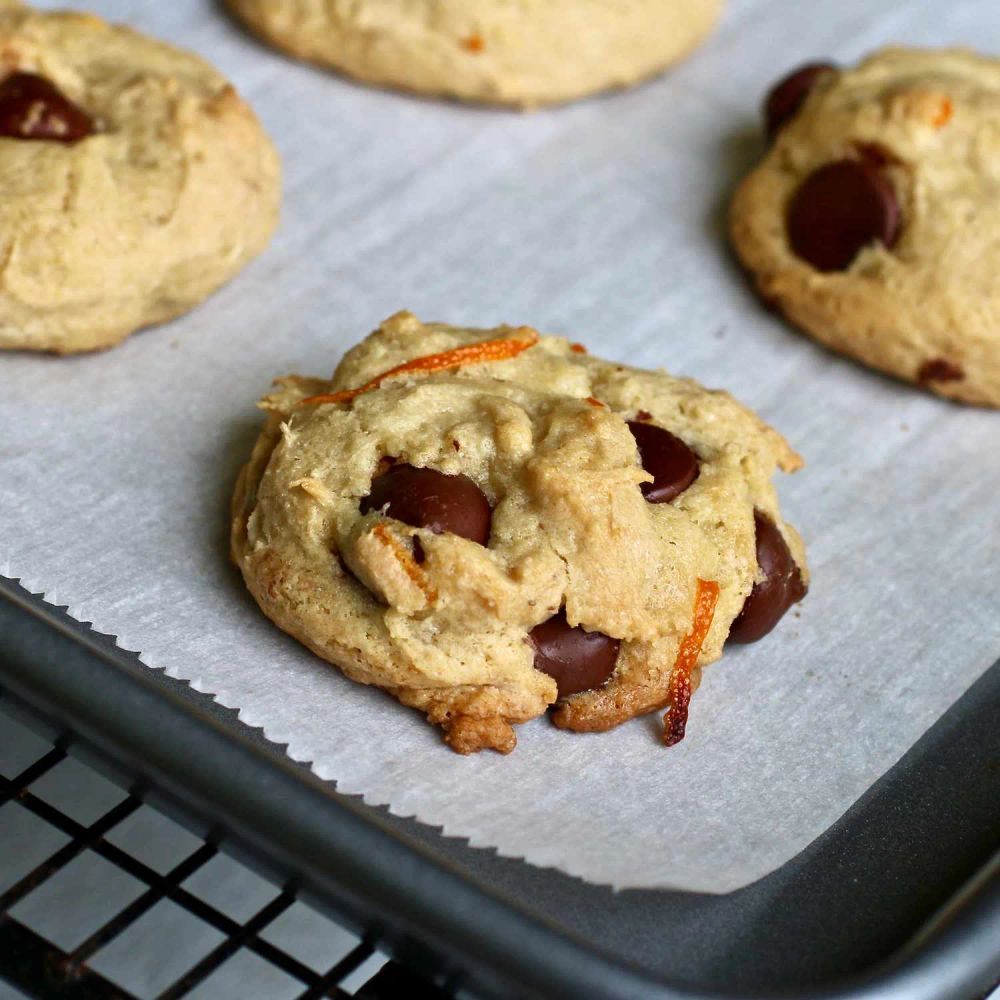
940,370
576,659
419,556
426,498
671,463
781,587
840,208
33,108
789,94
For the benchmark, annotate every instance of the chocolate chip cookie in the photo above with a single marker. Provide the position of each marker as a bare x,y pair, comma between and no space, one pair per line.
495,51
871,222
491,523
135,181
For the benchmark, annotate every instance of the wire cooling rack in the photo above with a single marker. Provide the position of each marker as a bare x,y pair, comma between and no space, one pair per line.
101,896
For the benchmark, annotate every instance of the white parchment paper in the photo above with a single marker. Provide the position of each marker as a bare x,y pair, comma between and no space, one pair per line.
603,221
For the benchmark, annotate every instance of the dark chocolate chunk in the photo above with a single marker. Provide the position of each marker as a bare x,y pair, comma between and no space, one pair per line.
671,463
426,498
940,370
781,587
789,94
578,660
839,209
33,108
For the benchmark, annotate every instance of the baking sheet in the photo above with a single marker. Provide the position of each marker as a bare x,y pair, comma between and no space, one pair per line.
602,221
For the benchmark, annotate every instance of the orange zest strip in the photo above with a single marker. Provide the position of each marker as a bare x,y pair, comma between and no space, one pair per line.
405,559
944,115
578,348
675,720
500,349
595,402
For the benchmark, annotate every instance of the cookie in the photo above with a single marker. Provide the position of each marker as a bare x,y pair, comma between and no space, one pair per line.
491,523
135,181
871,223
520,53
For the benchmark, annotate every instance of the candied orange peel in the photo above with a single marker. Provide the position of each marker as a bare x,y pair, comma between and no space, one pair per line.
944,114
498,349
675,719
404,557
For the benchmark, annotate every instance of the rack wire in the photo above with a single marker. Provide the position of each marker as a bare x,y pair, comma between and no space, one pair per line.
85,962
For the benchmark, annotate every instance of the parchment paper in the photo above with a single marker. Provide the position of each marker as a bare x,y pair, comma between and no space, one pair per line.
602,220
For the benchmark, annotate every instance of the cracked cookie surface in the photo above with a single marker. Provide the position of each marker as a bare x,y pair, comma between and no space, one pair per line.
476,533
872,221
151,184
518,52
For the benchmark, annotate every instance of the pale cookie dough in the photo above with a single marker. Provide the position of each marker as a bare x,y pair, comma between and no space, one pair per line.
444,621
913,215
518,52
173,191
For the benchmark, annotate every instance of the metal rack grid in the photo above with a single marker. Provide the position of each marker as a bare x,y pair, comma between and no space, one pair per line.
77,945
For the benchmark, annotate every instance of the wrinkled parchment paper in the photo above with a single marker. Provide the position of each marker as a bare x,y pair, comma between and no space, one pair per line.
603,221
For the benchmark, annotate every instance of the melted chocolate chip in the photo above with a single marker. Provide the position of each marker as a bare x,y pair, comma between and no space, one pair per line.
33,108
940,370
839,209
576,659
789,94
671,463
781,587
426,498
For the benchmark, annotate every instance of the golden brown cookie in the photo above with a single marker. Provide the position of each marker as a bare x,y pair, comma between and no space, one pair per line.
519,52
135,181
487,523
872,221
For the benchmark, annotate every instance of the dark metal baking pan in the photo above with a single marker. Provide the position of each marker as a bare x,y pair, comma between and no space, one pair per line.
899,899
